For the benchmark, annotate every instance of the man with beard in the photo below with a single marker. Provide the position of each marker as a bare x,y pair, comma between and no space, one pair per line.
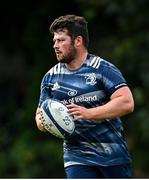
96,95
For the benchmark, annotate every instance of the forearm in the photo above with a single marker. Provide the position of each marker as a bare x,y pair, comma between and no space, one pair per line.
114,108
121,103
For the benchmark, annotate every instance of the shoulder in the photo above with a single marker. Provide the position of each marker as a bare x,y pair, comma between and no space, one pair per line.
97,62
50,73
55,69
105,69
93,61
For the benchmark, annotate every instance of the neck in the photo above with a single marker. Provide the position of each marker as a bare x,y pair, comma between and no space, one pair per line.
78,61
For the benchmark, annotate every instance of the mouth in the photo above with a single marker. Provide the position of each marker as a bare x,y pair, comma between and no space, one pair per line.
59,55
57,52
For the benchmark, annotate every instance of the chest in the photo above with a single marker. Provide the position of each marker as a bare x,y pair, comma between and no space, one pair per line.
69,86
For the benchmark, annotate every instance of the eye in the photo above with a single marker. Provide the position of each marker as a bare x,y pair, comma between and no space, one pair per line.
60,40
57,40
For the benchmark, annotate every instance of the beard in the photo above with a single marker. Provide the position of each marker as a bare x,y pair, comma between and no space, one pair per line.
67,57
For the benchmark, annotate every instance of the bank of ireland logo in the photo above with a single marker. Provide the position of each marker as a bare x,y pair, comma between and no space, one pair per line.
72,92
90,78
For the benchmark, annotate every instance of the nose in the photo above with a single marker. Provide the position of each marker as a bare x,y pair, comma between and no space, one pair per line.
55,45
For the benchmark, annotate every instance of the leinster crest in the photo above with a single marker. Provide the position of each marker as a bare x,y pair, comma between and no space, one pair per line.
90,78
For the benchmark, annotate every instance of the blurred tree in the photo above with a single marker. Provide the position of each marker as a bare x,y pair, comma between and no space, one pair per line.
119,32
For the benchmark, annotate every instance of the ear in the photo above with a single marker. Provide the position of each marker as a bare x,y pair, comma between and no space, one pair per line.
78,41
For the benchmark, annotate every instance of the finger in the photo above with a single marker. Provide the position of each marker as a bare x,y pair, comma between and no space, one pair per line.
72,105
76,117
74,112
41,123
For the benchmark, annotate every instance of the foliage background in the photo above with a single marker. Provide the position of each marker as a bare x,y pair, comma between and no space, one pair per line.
119,32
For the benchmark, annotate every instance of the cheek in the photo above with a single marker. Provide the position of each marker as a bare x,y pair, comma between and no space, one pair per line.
66,48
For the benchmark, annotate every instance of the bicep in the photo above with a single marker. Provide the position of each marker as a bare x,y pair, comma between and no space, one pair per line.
122,92
124,98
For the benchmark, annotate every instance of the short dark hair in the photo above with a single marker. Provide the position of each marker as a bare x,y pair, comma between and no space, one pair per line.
76,26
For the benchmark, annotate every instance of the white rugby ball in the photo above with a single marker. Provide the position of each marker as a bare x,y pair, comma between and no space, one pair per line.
56,119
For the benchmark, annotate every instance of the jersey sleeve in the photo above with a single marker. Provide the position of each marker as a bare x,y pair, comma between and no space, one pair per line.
44,90
112,78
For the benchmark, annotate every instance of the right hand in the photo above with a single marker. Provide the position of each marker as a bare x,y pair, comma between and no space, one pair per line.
39,123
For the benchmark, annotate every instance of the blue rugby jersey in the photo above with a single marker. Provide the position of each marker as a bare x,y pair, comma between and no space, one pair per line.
94,142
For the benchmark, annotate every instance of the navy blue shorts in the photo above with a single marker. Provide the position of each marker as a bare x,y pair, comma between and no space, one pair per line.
82,171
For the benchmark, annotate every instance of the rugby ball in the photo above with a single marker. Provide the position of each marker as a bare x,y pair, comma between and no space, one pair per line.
56,119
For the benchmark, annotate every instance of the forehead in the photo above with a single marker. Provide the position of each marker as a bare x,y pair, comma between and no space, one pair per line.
60,33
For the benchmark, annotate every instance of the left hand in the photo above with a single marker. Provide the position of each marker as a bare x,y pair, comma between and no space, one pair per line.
78,112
